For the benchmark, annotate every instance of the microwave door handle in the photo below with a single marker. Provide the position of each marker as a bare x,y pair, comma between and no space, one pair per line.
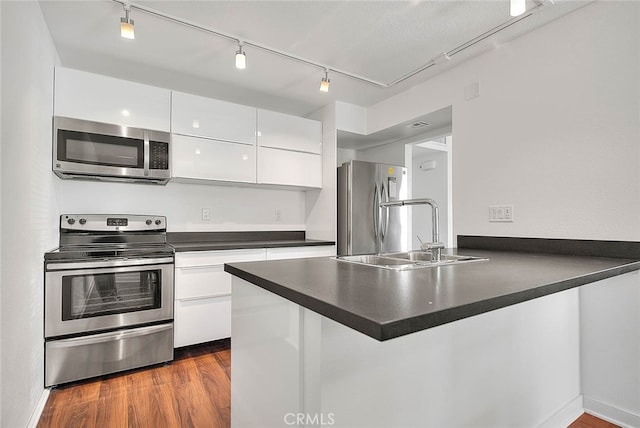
147,154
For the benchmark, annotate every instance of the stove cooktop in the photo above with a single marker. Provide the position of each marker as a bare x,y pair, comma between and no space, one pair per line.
98,252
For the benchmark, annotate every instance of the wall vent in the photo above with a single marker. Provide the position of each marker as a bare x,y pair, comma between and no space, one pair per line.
418,124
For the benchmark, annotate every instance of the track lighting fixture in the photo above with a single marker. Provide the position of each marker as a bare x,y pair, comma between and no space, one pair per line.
518,10
517,7
126,24
241,58
324,83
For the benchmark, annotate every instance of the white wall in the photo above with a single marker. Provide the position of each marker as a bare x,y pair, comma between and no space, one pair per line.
232,208
554,131
30,204
610,348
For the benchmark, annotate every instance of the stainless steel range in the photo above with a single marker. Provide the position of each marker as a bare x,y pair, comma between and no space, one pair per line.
108,296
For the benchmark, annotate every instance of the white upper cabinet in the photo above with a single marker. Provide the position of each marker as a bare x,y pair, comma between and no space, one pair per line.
204,159
205,117
288,168
283,131
89,96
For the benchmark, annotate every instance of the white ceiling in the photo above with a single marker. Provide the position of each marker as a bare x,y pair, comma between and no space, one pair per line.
438,123
379,40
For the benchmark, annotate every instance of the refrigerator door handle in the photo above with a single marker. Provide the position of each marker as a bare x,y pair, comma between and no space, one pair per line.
385,217
376,211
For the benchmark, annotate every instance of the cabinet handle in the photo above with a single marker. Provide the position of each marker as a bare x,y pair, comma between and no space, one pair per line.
208,296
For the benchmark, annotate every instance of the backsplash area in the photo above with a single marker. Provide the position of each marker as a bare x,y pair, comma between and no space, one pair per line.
230,208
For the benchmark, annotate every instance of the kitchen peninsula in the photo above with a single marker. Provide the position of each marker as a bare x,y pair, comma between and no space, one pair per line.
493,343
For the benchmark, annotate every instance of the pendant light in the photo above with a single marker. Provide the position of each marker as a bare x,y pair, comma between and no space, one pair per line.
241,58
325,81
126,24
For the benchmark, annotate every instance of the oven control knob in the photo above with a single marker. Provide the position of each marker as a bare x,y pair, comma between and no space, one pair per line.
83,221
148,222
158,222
71,221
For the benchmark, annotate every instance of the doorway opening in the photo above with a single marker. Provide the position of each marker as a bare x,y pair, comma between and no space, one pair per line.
429,170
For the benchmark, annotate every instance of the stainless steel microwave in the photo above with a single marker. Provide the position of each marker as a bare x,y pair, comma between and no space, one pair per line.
100,151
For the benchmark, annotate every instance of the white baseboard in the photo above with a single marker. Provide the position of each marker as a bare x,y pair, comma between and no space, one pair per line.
611,414
566,415
37,412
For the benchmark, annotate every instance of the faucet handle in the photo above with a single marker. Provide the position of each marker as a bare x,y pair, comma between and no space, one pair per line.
428,246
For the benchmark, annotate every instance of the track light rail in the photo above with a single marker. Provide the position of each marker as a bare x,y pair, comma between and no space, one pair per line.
325,68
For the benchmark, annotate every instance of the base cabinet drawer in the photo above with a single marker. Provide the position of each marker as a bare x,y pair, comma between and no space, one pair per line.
202,281
202,320
301,252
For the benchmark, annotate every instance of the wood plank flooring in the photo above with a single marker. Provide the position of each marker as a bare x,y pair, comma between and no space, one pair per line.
193,391
590,421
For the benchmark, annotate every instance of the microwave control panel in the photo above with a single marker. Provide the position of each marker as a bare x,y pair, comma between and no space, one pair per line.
159,156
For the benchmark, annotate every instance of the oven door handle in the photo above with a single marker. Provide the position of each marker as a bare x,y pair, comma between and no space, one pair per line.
109,263
111,336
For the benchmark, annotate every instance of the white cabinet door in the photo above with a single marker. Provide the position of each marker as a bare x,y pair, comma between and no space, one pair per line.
201,320
206,117
88,96
203,294
288,168
283,131
300,252
205,159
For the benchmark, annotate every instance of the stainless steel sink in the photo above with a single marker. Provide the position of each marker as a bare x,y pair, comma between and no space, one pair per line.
408,260
378,261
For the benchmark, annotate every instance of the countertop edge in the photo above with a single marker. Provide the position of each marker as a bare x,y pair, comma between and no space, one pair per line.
394,329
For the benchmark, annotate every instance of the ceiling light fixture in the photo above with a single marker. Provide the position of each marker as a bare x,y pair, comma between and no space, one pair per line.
517,7
241,58
128,5
126,24
325,81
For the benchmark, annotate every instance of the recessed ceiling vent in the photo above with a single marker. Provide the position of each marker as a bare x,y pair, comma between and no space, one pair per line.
418,124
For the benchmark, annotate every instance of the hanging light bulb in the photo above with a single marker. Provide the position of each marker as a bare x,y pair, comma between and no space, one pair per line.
241,58
518,7
325,81
126,25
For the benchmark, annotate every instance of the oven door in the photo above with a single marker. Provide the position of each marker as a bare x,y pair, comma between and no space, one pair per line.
92,296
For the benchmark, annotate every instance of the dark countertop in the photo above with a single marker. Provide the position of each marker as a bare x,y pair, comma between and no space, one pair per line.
385,304
210,241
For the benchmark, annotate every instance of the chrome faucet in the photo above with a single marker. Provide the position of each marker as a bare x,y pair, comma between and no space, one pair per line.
435,246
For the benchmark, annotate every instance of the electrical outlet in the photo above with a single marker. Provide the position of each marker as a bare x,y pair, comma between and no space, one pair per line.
278,215
206,214
500,213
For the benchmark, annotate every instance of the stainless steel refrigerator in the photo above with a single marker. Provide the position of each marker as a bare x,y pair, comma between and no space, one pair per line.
361,221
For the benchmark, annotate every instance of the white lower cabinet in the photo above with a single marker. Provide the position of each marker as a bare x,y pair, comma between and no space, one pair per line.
203,294
301,252
203,288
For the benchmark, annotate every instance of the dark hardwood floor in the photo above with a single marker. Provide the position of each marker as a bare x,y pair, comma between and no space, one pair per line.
193,391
